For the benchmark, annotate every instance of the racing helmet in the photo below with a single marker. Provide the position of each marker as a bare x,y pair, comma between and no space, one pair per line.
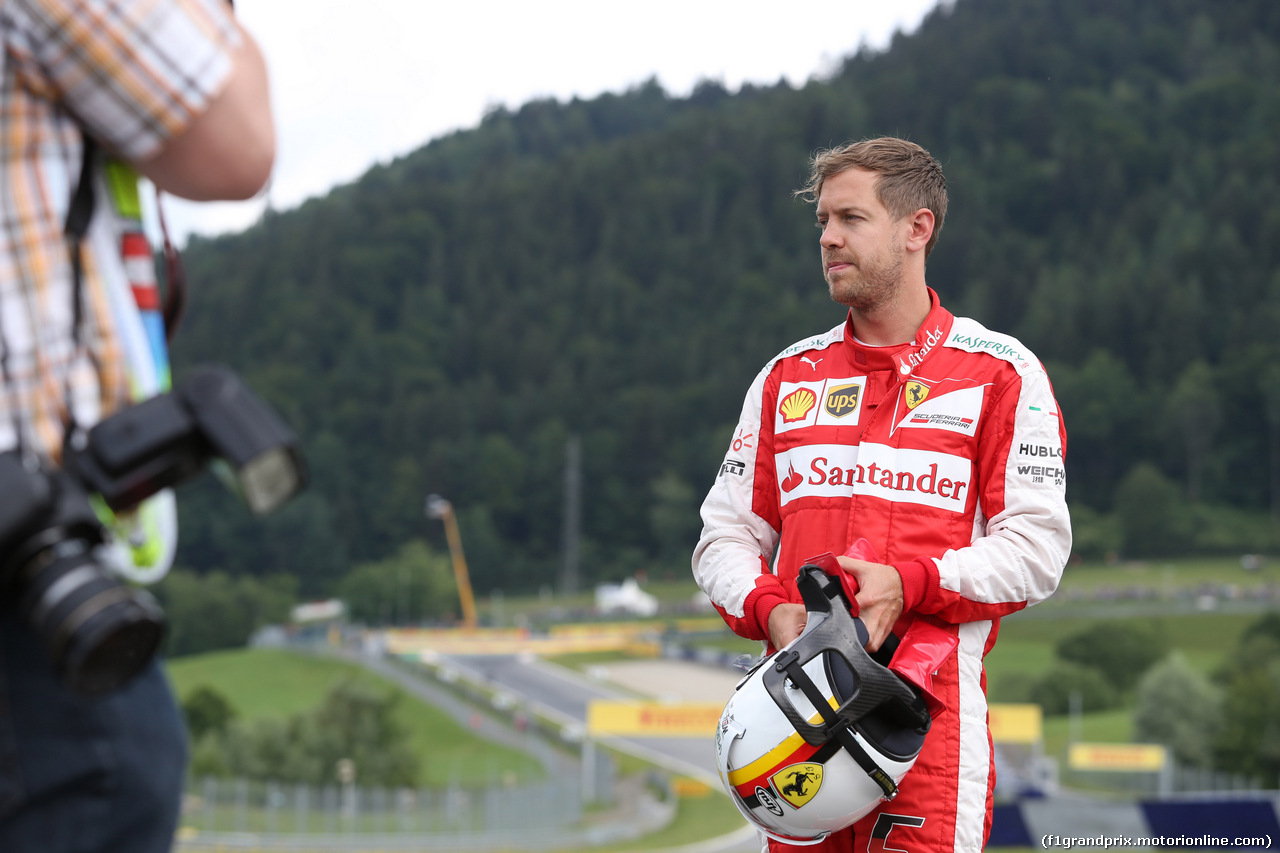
818,734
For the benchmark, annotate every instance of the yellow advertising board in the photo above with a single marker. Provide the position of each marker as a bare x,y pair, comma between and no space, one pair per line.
423,643
1016,723
652,719
1119,757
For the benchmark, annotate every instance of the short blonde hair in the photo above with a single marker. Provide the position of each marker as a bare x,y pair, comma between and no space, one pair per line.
909,177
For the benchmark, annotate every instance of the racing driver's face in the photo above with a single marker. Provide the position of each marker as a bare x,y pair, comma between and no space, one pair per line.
863,245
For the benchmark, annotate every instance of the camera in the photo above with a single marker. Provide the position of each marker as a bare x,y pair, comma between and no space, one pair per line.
98,632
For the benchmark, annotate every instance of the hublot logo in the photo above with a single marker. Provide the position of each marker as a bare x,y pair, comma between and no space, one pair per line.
1039,451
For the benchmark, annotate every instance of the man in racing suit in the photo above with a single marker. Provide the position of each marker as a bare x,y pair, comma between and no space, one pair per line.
930,437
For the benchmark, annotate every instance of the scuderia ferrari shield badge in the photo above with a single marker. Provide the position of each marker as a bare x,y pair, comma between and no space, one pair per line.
916,392
797,783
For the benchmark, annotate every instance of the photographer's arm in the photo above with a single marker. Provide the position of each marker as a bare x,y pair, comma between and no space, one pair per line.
228,150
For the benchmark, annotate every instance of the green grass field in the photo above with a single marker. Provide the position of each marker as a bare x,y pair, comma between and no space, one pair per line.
1170,573
270,683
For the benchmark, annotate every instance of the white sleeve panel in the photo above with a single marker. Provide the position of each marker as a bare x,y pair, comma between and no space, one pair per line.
726,561
1018,553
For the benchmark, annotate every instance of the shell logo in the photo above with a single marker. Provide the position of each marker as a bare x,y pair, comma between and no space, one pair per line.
797,404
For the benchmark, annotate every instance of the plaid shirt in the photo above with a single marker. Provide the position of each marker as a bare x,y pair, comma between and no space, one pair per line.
133,73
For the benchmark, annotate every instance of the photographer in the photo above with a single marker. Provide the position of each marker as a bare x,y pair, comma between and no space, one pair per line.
178,90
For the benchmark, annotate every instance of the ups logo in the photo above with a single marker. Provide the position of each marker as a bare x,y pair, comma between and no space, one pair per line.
843,400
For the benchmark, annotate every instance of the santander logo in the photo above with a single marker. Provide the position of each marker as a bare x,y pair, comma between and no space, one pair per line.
900,475
792,481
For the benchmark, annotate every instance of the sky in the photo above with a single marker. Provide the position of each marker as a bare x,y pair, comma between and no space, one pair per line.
355,84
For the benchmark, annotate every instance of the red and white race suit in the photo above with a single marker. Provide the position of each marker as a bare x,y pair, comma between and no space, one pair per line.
946,454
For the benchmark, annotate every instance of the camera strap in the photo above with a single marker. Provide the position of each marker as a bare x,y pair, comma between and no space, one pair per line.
79,214
160,317
146,536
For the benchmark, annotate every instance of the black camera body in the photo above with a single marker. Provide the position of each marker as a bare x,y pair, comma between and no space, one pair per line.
98,632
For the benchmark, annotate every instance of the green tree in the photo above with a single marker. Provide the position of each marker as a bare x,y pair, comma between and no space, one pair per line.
1250,738
355,722
1266,626
1249,741
1055,687
674,515
206,711
414,584
1104,407
1269,387
1094,535
360,724
1152,512
1195,409
218,611
1179,707
1120,651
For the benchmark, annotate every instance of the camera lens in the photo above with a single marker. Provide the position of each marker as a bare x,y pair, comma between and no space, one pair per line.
99,634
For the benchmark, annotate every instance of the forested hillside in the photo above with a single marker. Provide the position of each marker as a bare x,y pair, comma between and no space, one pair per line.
618,270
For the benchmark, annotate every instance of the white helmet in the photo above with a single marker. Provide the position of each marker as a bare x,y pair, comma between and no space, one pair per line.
818,734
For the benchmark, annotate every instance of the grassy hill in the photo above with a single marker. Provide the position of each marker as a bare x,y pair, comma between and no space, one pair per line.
264,683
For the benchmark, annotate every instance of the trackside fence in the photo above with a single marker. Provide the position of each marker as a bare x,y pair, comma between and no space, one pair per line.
1172,781
223,816
220,806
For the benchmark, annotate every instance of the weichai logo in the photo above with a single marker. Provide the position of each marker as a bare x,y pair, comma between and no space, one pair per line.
843,400
923,477
797,404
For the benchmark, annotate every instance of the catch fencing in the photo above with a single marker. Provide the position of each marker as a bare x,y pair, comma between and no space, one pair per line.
227,815
1174,779
216,806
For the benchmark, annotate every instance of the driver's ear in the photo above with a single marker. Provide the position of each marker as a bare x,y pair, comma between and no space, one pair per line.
921,230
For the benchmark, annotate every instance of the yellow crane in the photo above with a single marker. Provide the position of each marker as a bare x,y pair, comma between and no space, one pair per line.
439,508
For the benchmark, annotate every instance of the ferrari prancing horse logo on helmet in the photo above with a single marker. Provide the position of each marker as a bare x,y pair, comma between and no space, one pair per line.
797,783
